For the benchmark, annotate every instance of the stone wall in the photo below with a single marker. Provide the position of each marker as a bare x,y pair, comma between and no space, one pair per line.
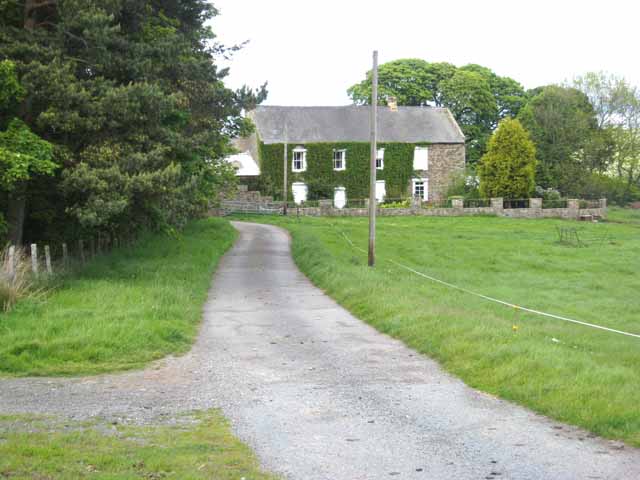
325,208
445,162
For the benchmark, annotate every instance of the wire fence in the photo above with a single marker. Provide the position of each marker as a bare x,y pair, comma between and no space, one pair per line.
487,297
50,258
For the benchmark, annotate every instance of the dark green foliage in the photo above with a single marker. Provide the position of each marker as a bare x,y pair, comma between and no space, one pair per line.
508,168
321,178
131,98
468,95
563,125
617,190
477,97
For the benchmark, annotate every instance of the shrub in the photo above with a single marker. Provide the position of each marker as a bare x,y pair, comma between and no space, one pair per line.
464,185
399,204
508,168
615,190
15,283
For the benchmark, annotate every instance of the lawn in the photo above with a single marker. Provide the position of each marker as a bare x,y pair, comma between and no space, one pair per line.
624,215
572,373
196,446
121,311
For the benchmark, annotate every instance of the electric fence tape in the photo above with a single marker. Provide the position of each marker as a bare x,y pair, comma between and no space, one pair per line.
491,299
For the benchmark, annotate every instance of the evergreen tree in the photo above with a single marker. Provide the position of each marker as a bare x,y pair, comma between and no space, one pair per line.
508,168
130,97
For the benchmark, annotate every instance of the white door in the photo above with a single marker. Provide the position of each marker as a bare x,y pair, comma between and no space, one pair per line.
339,197
299,191
381,190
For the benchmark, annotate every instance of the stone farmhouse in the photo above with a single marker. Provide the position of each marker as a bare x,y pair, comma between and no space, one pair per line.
420,150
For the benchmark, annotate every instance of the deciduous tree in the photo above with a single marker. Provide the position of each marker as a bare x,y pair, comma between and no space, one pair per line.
477,97
562,123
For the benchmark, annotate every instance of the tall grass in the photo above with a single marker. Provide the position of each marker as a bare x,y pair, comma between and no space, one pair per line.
120,311
15,278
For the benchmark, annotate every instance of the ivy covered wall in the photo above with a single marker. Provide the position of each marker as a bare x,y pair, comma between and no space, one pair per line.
321,178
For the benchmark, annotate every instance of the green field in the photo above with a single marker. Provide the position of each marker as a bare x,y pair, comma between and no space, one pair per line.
572,373
196,446
123,310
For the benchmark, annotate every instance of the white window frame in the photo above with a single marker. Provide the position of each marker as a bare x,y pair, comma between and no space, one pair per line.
380,156
384,191
303,152
425,191
343,159
417,166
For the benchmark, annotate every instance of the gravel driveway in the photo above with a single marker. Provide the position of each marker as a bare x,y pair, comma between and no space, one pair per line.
320,395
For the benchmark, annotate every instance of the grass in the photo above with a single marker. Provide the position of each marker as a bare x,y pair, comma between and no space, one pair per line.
571,373
198,446
624,215
123,310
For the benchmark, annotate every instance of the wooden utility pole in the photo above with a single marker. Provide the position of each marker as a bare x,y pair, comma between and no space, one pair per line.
374,153
286,169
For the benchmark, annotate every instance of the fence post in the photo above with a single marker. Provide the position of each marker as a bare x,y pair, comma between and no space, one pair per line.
47,259
34,259
12,262
65,255
81,247
457,203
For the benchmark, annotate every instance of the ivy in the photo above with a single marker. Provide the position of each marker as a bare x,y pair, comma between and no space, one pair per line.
321,178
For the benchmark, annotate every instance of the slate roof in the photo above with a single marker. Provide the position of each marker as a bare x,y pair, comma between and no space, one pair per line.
351,124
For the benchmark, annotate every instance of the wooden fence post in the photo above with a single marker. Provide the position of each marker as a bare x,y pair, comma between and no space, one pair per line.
65,255
34,259
81,246
47,259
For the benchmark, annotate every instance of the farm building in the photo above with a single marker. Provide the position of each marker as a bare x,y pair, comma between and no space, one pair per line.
420,149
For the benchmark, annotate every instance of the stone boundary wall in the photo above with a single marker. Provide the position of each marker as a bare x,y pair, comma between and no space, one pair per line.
326,209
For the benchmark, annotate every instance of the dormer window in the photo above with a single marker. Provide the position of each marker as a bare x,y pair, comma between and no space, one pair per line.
339,159
299,163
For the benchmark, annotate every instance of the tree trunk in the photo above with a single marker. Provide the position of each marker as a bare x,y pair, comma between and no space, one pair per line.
17,200
30,6
16,213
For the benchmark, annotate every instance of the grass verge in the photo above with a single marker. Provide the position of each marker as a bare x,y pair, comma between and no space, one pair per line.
571,373
123,310
196,446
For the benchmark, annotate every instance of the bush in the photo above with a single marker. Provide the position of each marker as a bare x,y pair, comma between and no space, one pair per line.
508,168
15,283
464,185
399,204
615,190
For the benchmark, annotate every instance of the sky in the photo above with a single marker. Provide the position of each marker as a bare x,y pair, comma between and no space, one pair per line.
310,52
